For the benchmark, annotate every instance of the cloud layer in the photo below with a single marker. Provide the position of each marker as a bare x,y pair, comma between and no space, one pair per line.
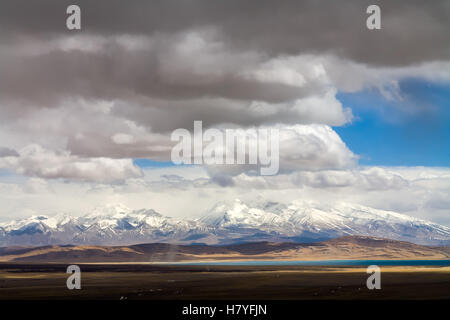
77,107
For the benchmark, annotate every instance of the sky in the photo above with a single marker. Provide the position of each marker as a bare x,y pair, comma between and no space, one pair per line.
364,115
411,131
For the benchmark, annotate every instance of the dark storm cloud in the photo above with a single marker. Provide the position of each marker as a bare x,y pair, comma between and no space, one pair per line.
7,152
115,73
249,32
412,31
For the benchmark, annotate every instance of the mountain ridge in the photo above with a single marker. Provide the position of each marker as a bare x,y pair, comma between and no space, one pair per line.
224,223
348,247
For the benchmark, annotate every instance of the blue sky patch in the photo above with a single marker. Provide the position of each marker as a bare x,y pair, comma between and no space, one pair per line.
148,163
410,130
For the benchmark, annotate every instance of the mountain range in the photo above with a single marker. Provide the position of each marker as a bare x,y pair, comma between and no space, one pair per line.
225,223
348,247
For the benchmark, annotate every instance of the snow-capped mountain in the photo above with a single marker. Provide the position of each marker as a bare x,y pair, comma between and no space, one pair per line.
120,225
223,224
308,221
107,225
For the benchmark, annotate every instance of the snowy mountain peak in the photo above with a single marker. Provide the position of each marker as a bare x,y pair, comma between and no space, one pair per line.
121,217
226,222
310,220
233,213
18,224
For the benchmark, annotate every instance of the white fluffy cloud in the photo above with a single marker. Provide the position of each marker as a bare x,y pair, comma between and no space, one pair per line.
35,161
301,148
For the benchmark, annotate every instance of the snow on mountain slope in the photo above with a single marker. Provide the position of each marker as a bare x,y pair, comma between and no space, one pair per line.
231,222
306,221
107,225
239,214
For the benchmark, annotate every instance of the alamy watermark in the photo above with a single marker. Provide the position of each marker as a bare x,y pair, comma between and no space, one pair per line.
73,21
374,280
74,280
258,147
373,22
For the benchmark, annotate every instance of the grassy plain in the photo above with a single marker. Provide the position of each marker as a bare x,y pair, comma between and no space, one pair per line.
150,281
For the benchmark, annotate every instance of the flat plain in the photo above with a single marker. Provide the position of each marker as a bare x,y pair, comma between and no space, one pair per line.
182,282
